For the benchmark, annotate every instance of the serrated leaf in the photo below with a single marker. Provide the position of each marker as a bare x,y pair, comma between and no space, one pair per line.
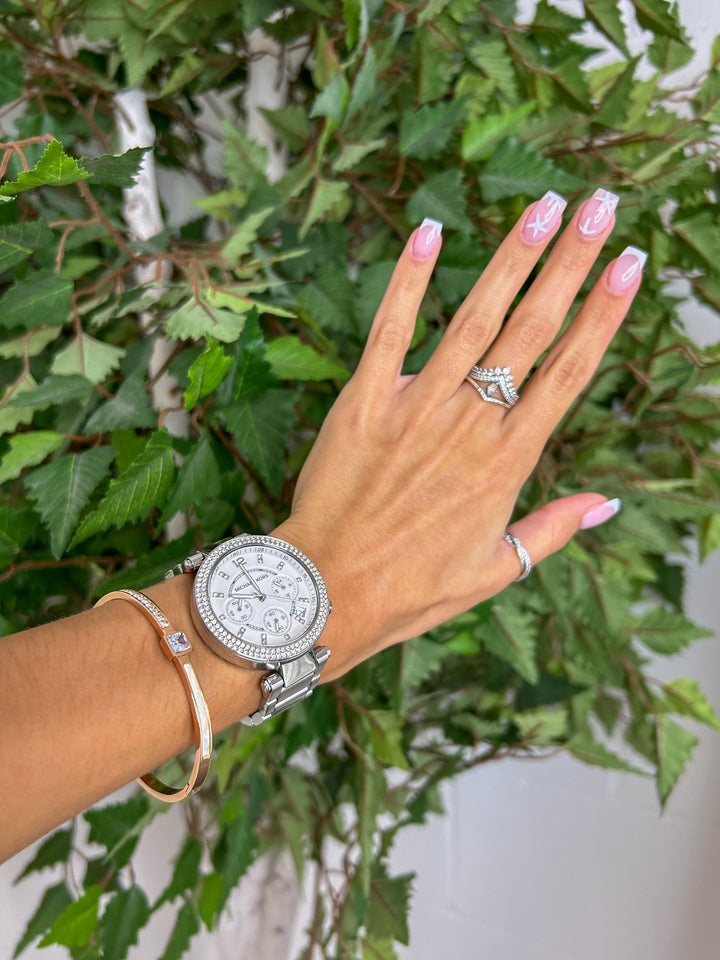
675,747
250,373
206,374
481,136
597,755
518,168
511,634
56,849
245,159
333,100
89,357
27,450
54,168
386,738
132,495
260,426
124,916
240,242
210,898
128,409
352,153
541,726
329,200
605,15
187,924
14,410
62,489
442,194
492,57
198,480
195,320
329,298
425,132
389,906
702,232
54,902
56,389
291,124
19,240
77,923
657,15
33,342
291,359
11,76
139,54
115,170
685,697
185,873
235,852
39,298
667,631
116,827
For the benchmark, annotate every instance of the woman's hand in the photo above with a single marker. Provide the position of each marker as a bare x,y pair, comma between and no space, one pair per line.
409,488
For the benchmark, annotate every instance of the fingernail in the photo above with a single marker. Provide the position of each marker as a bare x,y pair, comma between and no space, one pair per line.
543,217
599,514
597,214
426,238
625,270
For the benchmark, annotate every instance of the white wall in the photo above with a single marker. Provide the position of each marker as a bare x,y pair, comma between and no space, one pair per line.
546,860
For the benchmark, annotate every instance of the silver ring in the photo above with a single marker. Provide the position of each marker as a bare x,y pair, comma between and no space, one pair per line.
499,380
523,555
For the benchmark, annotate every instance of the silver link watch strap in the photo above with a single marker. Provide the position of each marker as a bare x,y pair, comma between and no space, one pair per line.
289,684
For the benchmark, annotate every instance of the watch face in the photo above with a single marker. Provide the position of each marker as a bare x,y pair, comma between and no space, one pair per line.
261,599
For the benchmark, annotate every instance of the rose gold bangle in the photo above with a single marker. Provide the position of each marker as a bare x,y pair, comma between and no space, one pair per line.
176,647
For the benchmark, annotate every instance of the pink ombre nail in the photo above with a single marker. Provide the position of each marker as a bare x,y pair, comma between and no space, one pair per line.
543,218
597,214
426,238
599,514
625,270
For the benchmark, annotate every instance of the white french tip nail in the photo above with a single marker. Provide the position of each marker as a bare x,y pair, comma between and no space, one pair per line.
636,252
437,224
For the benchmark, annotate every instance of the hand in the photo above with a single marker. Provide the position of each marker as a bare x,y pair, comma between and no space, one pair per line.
253,582
409,488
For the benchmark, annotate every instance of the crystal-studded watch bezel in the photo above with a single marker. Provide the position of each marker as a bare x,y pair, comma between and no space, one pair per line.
242,649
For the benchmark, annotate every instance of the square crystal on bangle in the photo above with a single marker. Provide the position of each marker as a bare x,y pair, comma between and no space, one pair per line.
179,642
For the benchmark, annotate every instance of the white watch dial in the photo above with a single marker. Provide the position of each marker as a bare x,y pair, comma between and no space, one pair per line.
261,598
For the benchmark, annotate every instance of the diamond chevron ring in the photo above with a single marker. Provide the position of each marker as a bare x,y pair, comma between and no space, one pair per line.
523,555
494,384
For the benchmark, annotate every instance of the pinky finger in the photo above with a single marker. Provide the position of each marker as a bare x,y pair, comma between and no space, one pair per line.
548,529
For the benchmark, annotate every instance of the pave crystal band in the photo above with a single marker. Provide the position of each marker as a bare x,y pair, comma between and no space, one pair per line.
499,385
523,555
176,647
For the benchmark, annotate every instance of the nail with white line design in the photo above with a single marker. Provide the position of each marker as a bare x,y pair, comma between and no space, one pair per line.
597,214
543,217
625,270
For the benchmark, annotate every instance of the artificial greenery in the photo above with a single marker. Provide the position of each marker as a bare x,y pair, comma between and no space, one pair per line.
394,111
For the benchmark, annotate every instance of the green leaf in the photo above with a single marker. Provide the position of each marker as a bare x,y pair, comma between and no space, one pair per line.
329,200
386,738
128,409
518,168
77,923
425,132
480,137
194,320
19,240
187,924
55,168
291,359
54,902
591,752
27,450
210,898
11,76
605,15
56,389
62,489
333,100
89,357
442,197
40,298
198,481
56,849
511,634
240,242
206,373
702,232
132,495
291,124
186,871
389,905
685,697
235,852
117,827
115,171
352,153
139,54
492,57
250,373
125,915
541,726
658,16
667,631
260,426
675,747
34,343
245,159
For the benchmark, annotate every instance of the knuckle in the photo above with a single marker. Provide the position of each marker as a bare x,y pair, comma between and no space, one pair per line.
570,371
532,333
572,260
473,331
392,334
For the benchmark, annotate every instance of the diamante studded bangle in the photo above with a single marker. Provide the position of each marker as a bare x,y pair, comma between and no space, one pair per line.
176,647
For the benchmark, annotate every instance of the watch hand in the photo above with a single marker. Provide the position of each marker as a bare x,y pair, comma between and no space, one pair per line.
253,582
243,596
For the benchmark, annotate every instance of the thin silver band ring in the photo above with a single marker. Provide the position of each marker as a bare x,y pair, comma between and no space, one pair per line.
523,555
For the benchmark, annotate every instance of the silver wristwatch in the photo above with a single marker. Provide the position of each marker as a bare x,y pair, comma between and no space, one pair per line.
259,602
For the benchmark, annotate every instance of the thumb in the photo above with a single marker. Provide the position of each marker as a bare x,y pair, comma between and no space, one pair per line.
548,529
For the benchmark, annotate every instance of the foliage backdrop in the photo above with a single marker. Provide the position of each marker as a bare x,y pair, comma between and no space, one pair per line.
395,111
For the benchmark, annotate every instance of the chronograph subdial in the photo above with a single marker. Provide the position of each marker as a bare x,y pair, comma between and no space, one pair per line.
276,621
285,588
239,610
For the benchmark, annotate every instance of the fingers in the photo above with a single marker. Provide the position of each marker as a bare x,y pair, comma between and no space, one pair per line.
394,323
481,314
536,321
571,363
548,529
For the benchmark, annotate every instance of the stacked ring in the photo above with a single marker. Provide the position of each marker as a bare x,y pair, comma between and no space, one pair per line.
499,380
